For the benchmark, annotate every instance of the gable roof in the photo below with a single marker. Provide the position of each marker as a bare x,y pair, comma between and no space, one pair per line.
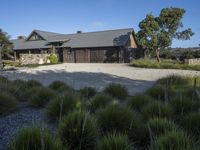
107,38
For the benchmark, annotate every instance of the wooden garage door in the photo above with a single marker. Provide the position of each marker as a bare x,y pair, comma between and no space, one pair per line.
97,56
81,56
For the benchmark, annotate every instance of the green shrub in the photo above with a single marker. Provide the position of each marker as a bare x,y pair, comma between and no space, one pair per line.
159,126
157,92
42,96
99,101
191,123
33,83
115,141
183,105
138,101
59,86
7,104
53,58
115,118
117,91
78,130
173,140
4,80
34,138
61,105
157,109
88,92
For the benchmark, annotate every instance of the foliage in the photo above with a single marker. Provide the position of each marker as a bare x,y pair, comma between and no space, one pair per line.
115,141
158,32
99,101
7,103
88,92
41,97
117,91
59,86
78,130
61,105
173,140
53,58
34,138
164,64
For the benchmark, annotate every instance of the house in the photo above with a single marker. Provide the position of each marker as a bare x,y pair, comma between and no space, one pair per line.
89,47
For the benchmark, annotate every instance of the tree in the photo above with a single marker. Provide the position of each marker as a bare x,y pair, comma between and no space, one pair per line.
157,33
5,45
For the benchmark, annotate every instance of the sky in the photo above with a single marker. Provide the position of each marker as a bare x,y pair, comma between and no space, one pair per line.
20,17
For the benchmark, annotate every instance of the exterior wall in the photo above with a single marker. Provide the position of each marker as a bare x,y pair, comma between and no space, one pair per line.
26,59
192,61
131,42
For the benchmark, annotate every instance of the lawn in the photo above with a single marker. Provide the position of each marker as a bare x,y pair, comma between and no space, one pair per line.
164,64
164,117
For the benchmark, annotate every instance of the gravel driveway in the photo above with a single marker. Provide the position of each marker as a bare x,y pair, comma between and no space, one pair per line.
96,75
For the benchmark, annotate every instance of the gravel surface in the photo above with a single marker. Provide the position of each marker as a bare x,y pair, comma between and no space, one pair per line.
96,75
24,117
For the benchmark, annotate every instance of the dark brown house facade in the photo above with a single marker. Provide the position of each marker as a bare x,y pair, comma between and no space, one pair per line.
112,46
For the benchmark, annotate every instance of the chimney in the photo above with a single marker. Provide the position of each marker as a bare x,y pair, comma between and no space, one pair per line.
21,37
79,32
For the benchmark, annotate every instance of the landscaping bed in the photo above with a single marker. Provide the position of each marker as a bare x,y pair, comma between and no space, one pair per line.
164,64
166,116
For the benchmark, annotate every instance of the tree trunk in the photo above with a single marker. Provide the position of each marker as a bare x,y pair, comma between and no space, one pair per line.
158,54
1,64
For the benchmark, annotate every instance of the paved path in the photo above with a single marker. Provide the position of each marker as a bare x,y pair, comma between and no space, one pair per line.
96,75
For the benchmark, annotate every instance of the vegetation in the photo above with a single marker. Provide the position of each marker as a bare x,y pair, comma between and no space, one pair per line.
59,86
117,91
115,141
78,130
88,92
164,64
34,138
157,33
53,59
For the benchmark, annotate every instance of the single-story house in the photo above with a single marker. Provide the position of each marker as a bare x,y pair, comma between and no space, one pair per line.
89,47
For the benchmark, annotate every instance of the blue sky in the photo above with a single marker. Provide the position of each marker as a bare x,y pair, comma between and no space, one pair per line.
20,17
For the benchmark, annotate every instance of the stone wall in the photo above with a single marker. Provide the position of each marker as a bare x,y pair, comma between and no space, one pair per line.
26,59
195,61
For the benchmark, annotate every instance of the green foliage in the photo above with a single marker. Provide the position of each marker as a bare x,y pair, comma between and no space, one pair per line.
173,140
99,101
159,126
59,86
117,91
34,138
33,83
78,130
138,101
7,104
41,97
157,92
158,32
157,109
88,92
62,105
164,64
115,141
53,58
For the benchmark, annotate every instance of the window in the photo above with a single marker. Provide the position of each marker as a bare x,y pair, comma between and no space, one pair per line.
35,37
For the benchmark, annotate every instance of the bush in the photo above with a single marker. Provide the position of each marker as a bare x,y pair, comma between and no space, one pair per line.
157,92
99,102
157,109
173,140
183,105
59,86
159,126
33,83
4,80
7,104
53,58
138,101
42,96
117,91
88,92
78,130
116,118
115,141
61,105
191,123
34,138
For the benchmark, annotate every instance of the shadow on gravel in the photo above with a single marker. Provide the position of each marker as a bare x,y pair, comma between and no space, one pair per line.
80,79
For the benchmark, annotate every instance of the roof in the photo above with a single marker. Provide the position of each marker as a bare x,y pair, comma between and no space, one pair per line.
107,38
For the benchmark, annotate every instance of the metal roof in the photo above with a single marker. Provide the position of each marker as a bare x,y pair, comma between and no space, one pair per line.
107,38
